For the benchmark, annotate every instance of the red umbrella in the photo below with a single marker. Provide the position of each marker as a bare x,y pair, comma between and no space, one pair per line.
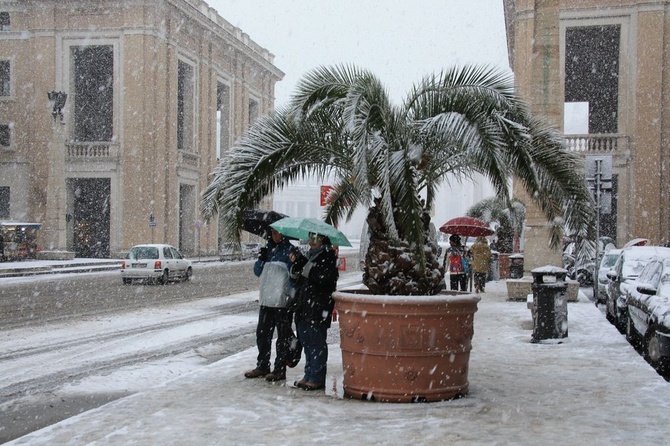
467,227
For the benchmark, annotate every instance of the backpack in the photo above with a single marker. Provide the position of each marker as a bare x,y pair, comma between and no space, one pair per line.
457,262
466,264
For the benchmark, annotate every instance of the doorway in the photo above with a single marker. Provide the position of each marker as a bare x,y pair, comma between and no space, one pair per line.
88,216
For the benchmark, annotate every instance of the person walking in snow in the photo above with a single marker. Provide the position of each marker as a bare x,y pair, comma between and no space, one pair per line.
272,267
316,275
481,256
456,261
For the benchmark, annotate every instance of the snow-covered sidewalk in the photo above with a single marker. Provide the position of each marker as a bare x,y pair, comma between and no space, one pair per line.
592,389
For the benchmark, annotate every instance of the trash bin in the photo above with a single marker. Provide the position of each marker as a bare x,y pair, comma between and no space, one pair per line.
494,267
516,266
550,301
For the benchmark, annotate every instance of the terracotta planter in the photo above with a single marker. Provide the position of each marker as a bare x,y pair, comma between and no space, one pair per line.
405,348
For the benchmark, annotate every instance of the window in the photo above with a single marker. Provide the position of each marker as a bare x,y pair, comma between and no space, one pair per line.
253,111
4,202
222,119
176,254
4,21
592,73
93,68
5,78
5,136
185,106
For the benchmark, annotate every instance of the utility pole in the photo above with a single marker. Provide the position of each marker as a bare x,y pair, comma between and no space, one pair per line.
600,183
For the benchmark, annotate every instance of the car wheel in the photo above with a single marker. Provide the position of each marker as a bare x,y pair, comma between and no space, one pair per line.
608,313
631,335
163,280
620,320
652,352
127,281
189,274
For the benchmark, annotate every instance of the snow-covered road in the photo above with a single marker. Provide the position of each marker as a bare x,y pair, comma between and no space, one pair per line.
81,364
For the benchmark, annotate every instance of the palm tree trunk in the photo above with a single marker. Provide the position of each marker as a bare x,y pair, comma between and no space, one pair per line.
392,267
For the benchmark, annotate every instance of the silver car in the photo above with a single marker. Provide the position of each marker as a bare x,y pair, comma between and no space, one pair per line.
626,269
156,263
648,306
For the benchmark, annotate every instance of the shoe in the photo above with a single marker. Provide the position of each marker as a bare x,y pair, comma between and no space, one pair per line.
276,376
307,385
255,373
293,362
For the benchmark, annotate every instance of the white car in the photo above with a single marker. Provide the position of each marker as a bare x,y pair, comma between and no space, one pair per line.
157,263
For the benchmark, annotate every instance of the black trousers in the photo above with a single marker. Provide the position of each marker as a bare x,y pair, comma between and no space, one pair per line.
270,318
458,279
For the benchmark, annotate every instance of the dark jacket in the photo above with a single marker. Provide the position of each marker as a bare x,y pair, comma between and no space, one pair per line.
316,280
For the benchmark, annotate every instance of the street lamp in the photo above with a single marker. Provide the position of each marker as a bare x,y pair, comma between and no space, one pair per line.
57,100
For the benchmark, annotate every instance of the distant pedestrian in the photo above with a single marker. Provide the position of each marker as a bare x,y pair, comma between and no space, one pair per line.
481,256
455,259
316,275
272,267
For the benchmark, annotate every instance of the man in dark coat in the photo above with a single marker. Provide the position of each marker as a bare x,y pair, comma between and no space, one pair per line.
316,276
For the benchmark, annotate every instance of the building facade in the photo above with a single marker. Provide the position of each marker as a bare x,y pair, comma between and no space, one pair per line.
156,91
595,68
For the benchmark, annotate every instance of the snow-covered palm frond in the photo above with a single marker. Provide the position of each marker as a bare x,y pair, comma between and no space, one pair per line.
340,121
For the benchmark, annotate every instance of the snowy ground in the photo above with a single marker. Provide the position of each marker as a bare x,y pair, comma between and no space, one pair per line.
591,389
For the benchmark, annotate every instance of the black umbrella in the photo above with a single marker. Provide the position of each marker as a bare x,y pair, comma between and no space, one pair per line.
258,221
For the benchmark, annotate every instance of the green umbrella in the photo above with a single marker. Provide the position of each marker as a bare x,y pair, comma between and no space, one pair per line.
301,227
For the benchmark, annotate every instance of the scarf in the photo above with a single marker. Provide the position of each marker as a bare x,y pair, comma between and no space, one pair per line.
312,254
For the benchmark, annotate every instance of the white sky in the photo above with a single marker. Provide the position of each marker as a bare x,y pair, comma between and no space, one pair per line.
399,41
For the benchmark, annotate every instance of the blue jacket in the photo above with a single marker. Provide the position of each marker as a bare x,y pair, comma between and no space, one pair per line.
275,253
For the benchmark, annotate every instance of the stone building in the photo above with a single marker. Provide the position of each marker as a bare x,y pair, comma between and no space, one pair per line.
601,63
156,90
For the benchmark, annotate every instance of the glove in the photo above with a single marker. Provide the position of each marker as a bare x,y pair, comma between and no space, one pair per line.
263,253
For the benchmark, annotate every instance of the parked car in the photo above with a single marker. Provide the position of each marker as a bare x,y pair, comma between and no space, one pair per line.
246,251
584,270
227,252
156,263
648,325
606,263
626,269
250,250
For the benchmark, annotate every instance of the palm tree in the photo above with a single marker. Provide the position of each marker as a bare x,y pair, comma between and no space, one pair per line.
510,218
391,159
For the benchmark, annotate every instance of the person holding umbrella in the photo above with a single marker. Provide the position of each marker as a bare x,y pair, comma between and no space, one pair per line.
272,267
456,260
316,276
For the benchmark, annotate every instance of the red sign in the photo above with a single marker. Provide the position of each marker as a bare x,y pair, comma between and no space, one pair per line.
325,191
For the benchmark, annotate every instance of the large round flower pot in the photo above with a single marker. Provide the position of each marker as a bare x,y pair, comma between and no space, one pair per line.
405,348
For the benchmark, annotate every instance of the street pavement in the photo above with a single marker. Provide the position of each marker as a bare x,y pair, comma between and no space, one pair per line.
590,388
